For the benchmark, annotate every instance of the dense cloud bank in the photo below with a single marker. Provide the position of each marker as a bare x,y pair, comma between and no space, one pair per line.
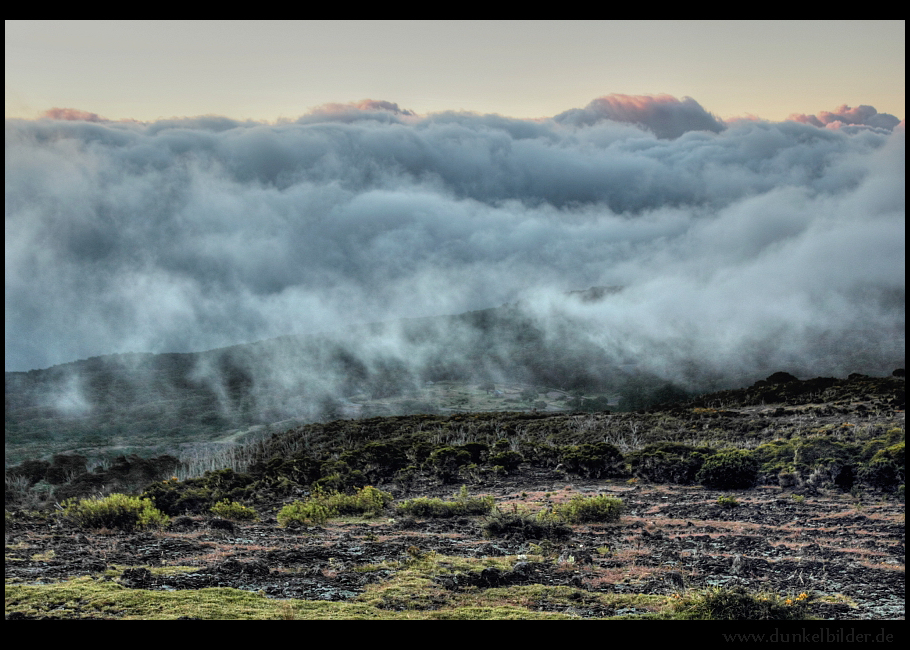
740,246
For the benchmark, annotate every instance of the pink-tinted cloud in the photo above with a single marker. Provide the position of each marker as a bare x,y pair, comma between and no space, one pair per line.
845,115
380,105
73,115
666,116
375,109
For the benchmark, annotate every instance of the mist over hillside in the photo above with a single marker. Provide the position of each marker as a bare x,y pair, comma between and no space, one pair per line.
148,400
742,248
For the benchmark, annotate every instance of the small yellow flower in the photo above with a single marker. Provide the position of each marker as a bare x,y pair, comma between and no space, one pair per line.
789,601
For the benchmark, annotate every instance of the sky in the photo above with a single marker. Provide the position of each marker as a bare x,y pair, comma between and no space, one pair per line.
175,187
146,70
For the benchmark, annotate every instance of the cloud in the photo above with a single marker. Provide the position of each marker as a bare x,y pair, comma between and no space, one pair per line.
664,115
365,109
741,248
863,116
72,114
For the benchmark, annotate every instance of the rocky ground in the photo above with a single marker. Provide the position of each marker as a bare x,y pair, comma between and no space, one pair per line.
846,553
836,555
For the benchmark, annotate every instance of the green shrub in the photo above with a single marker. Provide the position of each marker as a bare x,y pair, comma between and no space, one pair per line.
727,502
384,458
729,470
522,526
894,453
32,470
583,510
736,604
810,451
538,453
198,495
321,506
367,501
508,460
300,469
303,512
592,461
668,462
882,474
338,475
806,455
831,473
889,445
65,467
462,505
478,451
233,510
117,511
445,462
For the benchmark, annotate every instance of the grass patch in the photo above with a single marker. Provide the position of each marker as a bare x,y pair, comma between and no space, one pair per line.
234,511
461,505
736,604
117,511
523,526
601,509
411,592
322,506
86,598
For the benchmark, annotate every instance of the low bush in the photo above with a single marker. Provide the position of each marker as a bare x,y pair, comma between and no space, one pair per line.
321,506
367,501
592,461
462,505
478,451
668,462
445,461
736,604
233,510
729,470
303,512
65,467
584,510
885,464
831,473
198,495
117,511
882,474
523,526
508,460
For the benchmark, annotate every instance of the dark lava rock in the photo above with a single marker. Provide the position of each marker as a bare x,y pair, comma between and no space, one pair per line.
183,524
232,566
140,578
222,524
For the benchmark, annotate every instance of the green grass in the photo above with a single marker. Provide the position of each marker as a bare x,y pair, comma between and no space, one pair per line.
410,592
461,505
87,598
233,510
322,506
117,511
597,509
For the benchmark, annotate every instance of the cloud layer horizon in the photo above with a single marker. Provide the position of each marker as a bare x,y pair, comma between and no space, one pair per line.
739,244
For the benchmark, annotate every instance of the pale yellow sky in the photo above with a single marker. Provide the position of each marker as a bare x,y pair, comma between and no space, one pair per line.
146,70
